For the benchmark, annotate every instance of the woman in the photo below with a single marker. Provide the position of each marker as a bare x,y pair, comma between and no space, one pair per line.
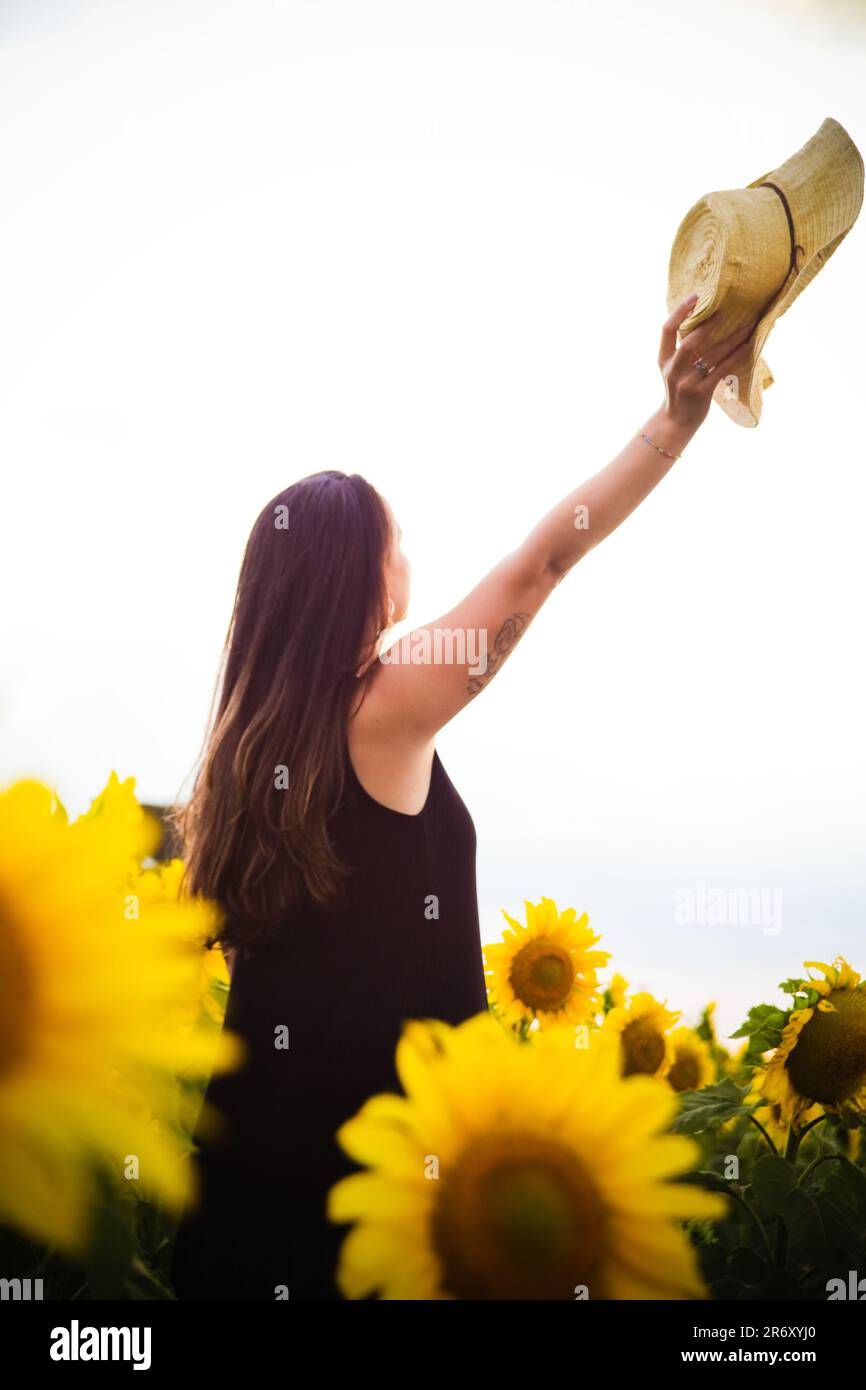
325,825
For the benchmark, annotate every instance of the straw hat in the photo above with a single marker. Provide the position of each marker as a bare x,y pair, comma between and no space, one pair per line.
749,252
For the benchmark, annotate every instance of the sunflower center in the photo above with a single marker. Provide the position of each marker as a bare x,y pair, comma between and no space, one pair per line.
518,1217
542,976
643,1048
685,1073
828,1060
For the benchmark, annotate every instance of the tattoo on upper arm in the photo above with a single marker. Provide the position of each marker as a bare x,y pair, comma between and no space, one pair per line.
509,633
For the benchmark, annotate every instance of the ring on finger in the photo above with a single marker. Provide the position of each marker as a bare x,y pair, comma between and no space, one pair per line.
702,366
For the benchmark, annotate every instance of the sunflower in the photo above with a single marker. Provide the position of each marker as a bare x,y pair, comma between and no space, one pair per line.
692,1065
821,1058
545,970
155,893
87,1008
511,1172
615,993
158,889
643,1028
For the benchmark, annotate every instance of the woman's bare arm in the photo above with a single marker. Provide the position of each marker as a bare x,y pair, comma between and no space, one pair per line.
427,677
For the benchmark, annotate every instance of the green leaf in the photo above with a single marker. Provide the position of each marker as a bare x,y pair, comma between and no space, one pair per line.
763,1028
793,986
802,991
706,1109
844,1185
820,1232
772,1181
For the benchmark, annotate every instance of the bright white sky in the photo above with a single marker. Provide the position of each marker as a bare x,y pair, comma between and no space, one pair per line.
427,240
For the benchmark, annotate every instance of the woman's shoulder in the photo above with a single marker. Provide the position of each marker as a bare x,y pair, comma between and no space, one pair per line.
392,767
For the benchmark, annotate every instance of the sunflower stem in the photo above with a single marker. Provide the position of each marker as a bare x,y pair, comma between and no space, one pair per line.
822,1158
791,1148
756,1121
811,1125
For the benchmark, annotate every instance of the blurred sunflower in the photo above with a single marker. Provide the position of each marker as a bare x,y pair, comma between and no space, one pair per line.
735,1064
511,1172
87,1003
545,970
158,890
155,893
719,1055
615,993
821,1058
642,1026
692,1066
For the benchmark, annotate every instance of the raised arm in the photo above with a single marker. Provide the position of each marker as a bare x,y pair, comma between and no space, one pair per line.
429,675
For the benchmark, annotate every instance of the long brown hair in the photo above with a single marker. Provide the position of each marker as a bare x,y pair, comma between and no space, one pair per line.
309,607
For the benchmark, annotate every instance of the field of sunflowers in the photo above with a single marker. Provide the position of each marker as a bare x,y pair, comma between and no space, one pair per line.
576,1141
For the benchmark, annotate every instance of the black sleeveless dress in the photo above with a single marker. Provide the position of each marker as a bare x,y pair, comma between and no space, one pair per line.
407,945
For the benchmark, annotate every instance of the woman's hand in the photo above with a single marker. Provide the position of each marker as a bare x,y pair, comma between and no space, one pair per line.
689,388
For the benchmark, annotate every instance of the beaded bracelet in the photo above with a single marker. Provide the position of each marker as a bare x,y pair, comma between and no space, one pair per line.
647,439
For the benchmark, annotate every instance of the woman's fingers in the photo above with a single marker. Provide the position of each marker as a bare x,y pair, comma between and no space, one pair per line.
695,346
689,388
669,329
731,347
696,341
721,362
